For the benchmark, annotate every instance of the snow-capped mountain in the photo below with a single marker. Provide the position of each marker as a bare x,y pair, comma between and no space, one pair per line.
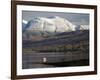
42,26
82,27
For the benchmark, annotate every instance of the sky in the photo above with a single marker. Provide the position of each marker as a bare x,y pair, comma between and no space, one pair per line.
75,18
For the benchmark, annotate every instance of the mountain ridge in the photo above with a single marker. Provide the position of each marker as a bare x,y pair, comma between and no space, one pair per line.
42,26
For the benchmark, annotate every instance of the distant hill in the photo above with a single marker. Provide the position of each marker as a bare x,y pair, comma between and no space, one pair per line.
59,41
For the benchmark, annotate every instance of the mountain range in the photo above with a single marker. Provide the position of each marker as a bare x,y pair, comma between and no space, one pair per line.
40,27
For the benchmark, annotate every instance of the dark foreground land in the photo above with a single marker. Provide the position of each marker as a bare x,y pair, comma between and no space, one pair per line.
35,60
63,50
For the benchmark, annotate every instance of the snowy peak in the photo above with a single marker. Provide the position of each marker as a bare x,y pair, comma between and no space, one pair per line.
47,26
54,24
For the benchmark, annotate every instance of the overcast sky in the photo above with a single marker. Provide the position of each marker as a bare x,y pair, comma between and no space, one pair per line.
75,18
